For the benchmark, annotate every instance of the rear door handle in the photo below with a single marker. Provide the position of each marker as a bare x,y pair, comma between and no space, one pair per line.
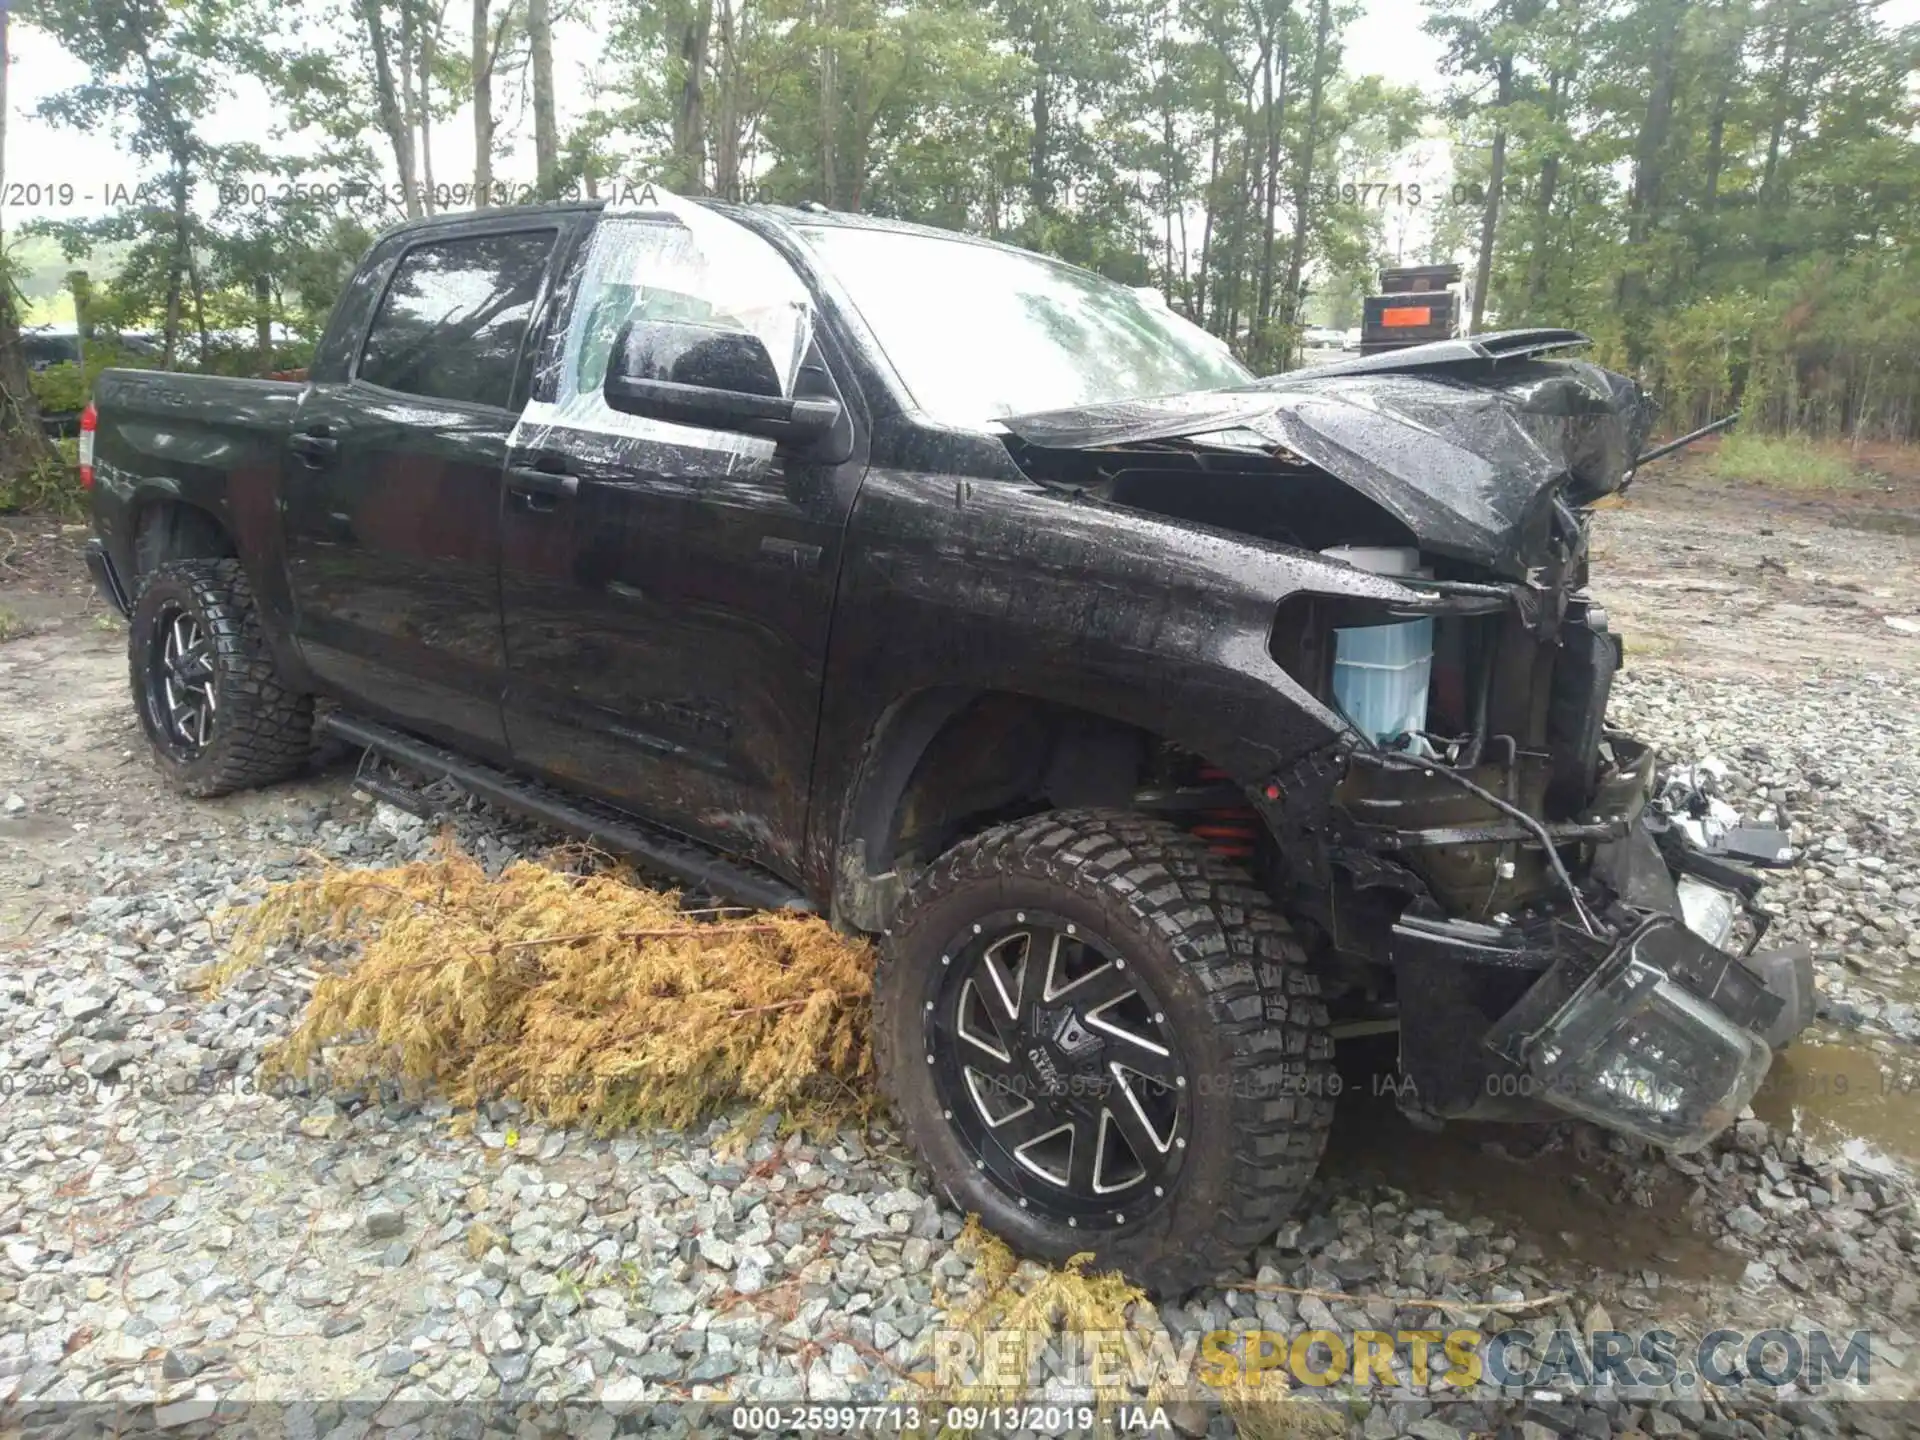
541,489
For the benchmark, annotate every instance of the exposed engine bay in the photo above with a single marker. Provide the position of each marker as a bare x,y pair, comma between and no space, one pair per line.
1483,862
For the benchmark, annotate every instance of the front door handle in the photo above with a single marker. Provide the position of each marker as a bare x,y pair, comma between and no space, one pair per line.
789,554
541,490
314,446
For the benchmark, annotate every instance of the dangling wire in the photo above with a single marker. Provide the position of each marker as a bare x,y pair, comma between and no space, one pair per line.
1378,754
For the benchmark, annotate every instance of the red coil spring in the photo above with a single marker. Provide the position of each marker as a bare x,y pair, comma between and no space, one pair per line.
1229,831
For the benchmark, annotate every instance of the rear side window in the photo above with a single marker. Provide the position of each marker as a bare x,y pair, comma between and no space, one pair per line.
452,320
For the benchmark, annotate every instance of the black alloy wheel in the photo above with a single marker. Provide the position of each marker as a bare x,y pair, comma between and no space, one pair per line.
181,681
1056,1062
209,695
1100,1037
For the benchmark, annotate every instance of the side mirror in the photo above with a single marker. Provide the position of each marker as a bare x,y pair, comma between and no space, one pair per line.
711,376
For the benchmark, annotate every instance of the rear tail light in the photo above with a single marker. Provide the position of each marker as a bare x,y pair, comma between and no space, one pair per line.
89,422
1402,315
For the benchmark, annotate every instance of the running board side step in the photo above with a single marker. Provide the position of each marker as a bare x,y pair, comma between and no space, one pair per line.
648,845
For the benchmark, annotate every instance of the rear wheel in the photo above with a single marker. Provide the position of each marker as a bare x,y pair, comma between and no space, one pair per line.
1102,1038
209,697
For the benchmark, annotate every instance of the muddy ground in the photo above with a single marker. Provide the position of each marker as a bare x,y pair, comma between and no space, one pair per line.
1758,628
1710,578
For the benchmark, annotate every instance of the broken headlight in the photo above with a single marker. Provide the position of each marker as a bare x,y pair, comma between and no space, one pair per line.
1630,1046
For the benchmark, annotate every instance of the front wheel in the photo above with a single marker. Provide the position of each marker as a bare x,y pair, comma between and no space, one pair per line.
1102,1038
210,699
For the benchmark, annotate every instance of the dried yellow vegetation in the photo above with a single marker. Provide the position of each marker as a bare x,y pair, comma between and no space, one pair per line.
1039,1302
1034,1302
587,997
1034,1299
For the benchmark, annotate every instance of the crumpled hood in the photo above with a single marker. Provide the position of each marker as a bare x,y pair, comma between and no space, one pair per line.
1467,454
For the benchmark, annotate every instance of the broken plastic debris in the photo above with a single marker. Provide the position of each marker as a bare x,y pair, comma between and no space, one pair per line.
1688,795
1707,910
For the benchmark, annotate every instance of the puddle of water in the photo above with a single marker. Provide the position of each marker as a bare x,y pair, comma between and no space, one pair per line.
1862,1102
1574,1206
1884,522
23,828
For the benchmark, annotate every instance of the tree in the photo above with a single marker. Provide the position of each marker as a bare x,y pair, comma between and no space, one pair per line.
546,141
23,445
1481,47
395,118
1305,155
155,71
1723,192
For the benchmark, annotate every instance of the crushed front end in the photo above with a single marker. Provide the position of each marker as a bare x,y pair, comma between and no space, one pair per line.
1485,866
1564,924
1581,956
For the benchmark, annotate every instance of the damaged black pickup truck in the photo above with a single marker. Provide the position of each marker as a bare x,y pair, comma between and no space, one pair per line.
1164,723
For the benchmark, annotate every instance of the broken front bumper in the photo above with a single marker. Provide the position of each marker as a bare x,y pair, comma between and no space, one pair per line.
1658,1034
1626,1010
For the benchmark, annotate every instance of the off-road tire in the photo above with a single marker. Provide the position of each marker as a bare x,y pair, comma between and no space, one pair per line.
262,731
1237,993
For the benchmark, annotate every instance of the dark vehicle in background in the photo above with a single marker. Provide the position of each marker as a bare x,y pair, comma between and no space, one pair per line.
1162,722
43,347
46,347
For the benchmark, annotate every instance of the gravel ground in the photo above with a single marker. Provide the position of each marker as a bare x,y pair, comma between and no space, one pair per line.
175,1233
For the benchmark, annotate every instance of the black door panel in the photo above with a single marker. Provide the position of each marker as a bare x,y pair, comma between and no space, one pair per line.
393,556
666,620
656,660
392,487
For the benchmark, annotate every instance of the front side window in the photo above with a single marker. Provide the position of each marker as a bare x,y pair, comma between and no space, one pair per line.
979,332
454,316
677,262
661,269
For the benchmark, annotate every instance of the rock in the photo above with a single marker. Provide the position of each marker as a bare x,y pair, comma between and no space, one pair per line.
846,1208
683,1179
324,1122
511,1367
627,1341
151,1285
670,1298
713,1368
103,1062
1746,1221
177,1413
625,1390
384,1223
